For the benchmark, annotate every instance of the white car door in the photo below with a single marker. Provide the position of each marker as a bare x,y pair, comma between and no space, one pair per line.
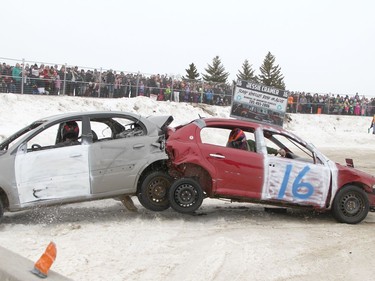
296,181
50,174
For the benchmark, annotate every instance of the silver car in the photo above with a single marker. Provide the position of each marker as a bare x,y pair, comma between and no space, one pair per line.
84,156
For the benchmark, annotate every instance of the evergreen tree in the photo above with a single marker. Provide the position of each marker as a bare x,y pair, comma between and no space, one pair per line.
216,72
192,73
247,72
271,74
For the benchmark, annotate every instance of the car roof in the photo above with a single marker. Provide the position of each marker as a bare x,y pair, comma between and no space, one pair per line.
88,113
232,123
241,123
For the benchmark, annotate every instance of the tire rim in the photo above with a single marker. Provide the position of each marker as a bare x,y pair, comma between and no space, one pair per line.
185,195
157,190
351,205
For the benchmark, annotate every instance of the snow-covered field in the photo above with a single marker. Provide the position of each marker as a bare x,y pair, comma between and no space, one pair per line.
102,240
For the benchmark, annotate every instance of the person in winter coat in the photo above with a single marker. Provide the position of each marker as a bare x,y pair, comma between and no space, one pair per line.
372,125
110,80
17,77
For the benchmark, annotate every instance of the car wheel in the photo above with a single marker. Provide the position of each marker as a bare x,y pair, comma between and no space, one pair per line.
153,194
185,195
350,205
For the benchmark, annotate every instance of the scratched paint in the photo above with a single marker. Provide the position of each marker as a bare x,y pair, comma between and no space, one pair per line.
53,173
302,183
334,175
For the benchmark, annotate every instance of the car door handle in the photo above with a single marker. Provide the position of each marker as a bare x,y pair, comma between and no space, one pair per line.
214,155
75,155
139,145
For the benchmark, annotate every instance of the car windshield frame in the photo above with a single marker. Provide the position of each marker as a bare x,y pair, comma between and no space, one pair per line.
5,144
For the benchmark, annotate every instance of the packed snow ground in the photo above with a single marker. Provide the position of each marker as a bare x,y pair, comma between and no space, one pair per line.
101,240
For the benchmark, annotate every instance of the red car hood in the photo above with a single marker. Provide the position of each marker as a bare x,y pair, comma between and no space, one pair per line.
348,174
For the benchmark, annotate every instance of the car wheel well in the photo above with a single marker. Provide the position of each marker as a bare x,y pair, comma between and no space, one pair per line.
4,202
4,198
366,188
155,166
199,173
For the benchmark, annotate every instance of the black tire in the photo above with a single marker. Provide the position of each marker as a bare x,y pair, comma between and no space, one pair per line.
185,195
350,205
153,194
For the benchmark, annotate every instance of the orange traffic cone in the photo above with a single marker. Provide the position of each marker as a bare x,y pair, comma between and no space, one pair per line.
42,266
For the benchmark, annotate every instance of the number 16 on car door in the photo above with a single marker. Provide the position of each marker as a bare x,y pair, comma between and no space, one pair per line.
297,182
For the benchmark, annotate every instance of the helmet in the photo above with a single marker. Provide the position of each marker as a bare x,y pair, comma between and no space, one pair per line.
70,130
237,139
236,135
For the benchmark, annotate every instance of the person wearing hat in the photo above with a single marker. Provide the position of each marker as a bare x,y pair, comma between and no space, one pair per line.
69,134
237,139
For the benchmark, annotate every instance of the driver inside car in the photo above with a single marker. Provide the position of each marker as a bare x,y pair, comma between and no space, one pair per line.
271,150
237,139
69,133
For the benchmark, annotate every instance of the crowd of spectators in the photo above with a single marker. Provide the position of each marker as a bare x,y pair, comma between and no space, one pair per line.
301,102
72,81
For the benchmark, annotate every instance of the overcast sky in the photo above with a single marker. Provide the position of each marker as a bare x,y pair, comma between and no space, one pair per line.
320,46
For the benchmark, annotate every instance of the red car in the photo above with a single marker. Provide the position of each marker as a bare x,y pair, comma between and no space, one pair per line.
204,164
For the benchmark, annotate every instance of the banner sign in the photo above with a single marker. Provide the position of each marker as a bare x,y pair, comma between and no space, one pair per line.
259,103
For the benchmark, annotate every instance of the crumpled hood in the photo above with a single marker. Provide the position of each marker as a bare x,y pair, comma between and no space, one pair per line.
348,174
161,121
